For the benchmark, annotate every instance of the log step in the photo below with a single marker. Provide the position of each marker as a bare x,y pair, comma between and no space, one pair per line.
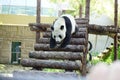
77,35
80,29
73,48
68,65
56,55
74,41
42,27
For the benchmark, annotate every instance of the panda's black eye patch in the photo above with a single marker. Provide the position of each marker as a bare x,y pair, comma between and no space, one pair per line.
54,37
52,28
62,27
60,36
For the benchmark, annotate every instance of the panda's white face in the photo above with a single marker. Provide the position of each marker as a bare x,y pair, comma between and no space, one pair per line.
59,30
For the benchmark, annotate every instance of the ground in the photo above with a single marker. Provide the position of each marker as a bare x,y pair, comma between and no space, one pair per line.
8,68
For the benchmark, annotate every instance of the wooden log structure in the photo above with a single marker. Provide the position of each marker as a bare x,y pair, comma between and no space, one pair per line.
102,30
73,48
80,44
38,18
92,28
43,26
74,41
116,26
77,35
68,65
85,52
55,55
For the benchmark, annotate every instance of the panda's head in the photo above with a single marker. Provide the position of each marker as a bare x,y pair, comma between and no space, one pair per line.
59,30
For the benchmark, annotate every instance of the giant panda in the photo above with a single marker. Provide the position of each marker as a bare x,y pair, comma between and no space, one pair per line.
62,30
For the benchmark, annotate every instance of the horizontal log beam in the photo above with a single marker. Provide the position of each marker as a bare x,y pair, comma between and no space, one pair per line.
68,65
43,26
77,35
38,26
81,21
80,29
74,41
92,28
73,48
102,30
55,55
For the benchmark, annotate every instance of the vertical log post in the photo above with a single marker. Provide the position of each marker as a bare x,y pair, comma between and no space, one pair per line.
38,19
116,26
38,11
84,70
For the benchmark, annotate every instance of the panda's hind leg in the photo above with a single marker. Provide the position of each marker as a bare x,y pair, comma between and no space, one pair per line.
66,41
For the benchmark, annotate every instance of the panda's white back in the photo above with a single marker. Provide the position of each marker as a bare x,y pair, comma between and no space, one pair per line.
72,19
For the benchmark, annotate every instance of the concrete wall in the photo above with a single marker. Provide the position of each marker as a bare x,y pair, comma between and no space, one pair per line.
9,34
22,19
13,28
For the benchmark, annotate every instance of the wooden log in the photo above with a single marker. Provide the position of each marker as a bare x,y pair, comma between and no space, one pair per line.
74,41
38,18
55,55
39,26
80,29
46,27
116,26
68,65
92,28
102,30
77,35
73,48
81,21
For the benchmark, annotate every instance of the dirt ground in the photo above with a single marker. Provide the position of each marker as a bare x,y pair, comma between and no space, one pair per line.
8,68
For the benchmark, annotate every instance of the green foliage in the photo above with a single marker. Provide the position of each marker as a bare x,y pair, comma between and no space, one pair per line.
105,7
53,70
110,58
95,61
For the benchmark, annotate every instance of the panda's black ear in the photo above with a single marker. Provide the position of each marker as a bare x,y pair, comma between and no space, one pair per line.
52,28
62,27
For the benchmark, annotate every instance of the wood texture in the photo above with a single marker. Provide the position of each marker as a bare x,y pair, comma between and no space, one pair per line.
55,55
77,35
74,41
69,65
116,26
73,48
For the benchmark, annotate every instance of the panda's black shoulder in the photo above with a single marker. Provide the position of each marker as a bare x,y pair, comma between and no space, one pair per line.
68,24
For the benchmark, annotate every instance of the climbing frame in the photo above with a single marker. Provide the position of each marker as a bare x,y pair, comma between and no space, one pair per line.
45,57
72,57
